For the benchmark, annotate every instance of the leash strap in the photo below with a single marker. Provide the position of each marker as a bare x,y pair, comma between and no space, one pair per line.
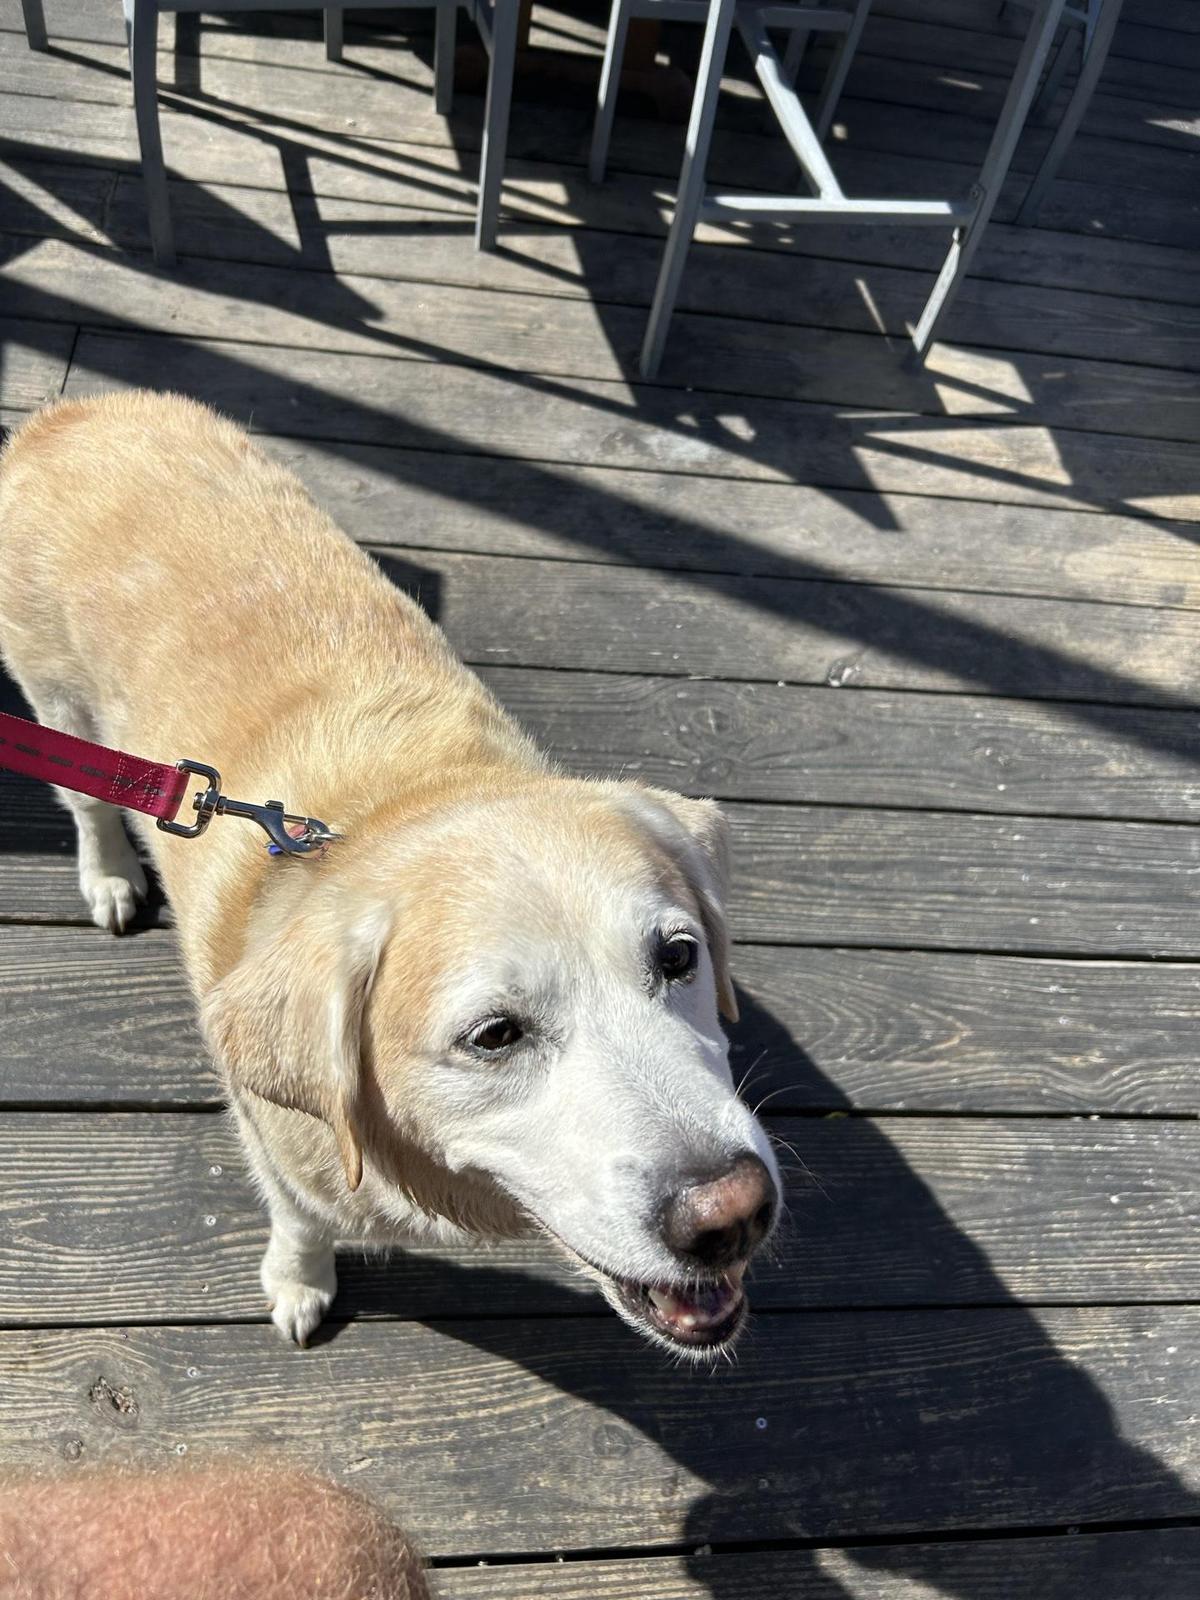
155,787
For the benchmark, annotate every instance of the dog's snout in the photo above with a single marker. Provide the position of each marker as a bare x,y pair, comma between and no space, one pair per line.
718,1222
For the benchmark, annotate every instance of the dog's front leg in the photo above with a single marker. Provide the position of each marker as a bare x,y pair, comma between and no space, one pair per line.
299,1274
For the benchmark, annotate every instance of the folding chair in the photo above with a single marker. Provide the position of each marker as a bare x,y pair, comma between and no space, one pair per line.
497,23
966,218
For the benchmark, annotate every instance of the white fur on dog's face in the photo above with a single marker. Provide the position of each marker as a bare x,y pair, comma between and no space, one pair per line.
617,1092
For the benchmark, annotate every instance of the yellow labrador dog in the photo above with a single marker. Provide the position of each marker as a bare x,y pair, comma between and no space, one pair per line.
490,1007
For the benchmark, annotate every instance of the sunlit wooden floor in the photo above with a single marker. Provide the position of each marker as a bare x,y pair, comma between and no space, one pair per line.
934,639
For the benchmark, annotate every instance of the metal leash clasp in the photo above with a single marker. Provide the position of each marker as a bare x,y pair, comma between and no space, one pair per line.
271,817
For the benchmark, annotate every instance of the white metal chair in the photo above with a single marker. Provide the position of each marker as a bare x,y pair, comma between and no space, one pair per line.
846,24
966,219
1092,25
497,23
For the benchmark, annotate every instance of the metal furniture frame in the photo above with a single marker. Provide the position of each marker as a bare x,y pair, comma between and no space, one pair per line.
846,24
1094,24
966,218
496,20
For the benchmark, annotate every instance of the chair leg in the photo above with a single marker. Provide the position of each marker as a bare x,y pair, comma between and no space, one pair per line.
1021,91
186,54
1043,106
839,66
1090,69
335,20
141,30
610,88
691,182
35,24
793,55
444,45
506,15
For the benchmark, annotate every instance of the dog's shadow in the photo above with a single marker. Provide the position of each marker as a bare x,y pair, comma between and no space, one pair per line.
861,1427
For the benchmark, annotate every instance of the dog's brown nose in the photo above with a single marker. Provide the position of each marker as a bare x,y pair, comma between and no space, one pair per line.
720,1221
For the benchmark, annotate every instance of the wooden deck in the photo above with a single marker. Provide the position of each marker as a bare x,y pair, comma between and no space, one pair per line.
936,641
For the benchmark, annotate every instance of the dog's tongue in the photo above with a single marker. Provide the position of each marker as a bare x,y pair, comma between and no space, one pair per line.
704,1307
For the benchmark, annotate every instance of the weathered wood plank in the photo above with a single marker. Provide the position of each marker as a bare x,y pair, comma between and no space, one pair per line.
946,881
619,619
428,406
744,741
40,198
502,612
908,879
465,310
436,500
1179,14
974,41
499,507
492,1436
1175,47
571,337
94,1021
163,1223
890,1030
980,65
1149,1565
33,360
1160,17
39,888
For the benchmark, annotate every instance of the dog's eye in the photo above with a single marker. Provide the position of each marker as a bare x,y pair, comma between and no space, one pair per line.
677,958
498,1034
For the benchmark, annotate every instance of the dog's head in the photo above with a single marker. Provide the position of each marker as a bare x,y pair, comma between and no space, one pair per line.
517,999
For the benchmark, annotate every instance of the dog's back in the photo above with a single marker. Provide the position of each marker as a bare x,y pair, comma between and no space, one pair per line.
170,591
214,585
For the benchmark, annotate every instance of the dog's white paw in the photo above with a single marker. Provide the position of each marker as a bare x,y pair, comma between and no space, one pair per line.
299,1301
298,1311
113,896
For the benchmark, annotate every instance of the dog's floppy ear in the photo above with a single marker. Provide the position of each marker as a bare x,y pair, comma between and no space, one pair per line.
286,1023
700,843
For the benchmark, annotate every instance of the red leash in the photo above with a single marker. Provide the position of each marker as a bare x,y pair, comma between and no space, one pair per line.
123,780
154,787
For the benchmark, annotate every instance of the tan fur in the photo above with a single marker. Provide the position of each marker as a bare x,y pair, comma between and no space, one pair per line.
224,617
163,574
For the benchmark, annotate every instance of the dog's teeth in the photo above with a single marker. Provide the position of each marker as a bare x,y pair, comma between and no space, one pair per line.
688,1312
665,1301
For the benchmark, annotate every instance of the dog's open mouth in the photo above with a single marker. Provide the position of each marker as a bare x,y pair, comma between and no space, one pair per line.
702,1317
